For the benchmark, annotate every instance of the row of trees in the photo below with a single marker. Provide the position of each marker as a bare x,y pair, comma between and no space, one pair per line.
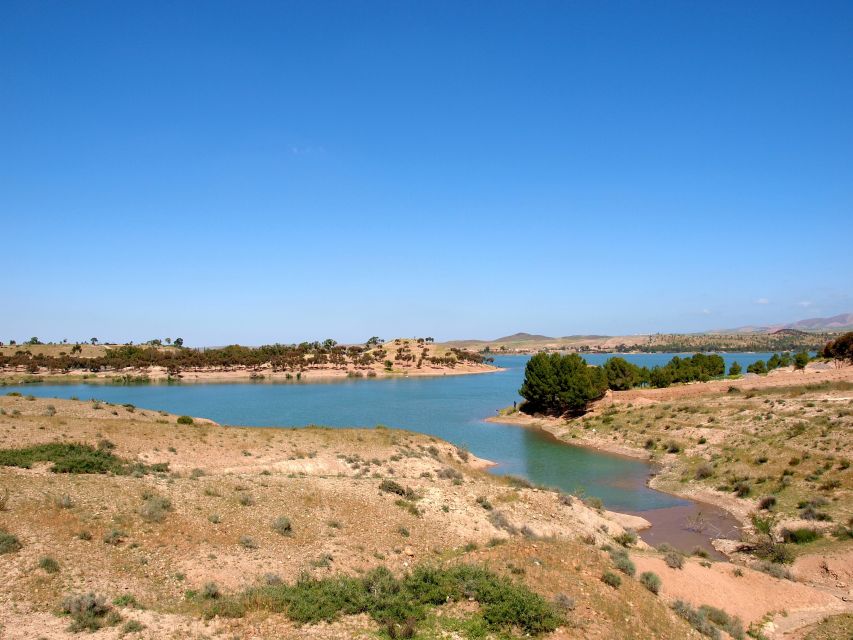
156,342
800,360
280,357
559,384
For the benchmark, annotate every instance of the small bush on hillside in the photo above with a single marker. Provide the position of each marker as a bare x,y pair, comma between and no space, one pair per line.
697,619
704,471
155,508
730,624
624,564
49,564
114,537
484,502
390,486
247,542
766,503
500,521
674,560
626,538
8,543
801,535
210,591
89,612
611,579
185,420
650,581
776,571
283,526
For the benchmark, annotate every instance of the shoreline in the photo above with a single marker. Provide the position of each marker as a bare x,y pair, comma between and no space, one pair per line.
694,495
159,375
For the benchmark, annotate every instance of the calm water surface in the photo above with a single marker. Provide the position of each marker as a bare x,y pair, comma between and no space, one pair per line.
449,407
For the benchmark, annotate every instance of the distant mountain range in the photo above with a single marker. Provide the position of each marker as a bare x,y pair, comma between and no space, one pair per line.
835,323
532,341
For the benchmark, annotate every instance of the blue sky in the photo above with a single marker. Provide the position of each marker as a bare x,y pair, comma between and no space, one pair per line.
254,172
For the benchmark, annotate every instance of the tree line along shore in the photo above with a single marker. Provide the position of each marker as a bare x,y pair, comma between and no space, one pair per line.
374,357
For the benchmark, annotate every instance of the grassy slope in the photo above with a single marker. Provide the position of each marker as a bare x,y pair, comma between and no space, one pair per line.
791,443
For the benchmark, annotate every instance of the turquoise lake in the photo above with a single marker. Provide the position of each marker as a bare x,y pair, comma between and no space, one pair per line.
449,407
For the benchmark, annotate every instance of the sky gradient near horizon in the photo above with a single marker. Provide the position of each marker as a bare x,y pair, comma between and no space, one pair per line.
275,172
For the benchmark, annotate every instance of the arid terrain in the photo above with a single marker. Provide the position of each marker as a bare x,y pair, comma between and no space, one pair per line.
772,450
196,518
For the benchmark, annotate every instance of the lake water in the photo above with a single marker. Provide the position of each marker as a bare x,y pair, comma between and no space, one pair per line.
449,407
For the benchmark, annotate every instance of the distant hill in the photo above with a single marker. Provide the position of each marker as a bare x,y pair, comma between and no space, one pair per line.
522,337
834,323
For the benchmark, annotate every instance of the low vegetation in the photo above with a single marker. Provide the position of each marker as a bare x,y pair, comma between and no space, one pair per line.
75,458
393,601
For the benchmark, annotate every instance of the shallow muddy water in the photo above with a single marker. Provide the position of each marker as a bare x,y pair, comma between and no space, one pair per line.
451,408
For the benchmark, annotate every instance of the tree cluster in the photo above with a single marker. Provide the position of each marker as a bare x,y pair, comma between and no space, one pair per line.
840,349
279,357
557,384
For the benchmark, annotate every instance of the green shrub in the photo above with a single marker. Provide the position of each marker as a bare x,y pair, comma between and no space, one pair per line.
73,458
49,564
8,543
185,420
132,626
395,602
611,579
650,581
127,600
801,535
730,624
626,538
697,619
625,565
114,537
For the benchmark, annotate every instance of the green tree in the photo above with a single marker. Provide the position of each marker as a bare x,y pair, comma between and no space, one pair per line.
660,377
621,374
759,367
801,360
375,341
557,384
774,362
735,369
179,342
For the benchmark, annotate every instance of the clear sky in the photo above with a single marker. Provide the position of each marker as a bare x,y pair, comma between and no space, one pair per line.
269,171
